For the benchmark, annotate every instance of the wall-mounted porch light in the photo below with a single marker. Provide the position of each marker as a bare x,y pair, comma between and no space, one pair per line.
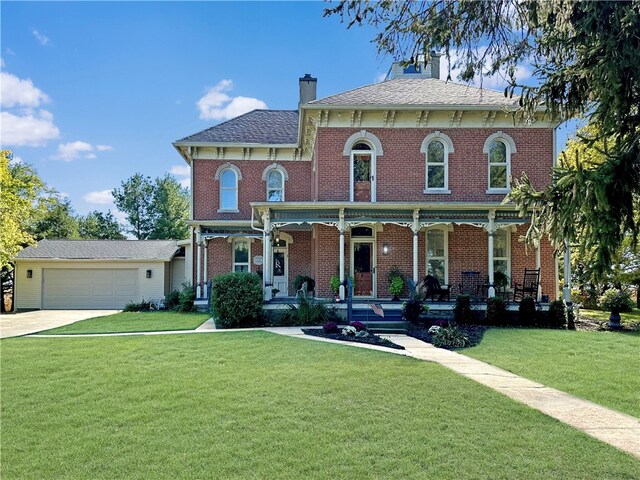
385,248
29,273
148,273
275,235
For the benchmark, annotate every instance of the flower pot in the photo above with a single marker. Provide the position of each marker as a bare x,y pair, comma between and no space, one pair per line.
395,298
614,320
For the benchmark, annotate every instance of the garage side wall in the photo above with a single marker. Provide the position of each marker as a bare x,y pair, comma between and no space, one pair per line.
28,291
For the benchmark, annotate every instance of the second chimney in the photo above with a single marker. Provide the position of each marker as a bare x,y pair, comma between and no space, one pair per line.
308,86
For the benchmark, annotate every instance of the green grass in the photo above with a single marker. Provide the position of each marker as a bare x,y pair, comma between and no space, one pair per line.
133,322
257,405
603,367
601,316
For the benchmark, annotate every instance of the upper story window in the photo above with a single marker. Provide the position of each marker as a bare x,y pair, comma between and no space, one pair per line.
228,175
362,148
436,148
275,176
499,148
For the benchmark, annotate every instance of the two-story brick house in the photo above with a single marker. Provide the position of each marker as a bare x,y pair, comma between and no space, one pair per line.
410,172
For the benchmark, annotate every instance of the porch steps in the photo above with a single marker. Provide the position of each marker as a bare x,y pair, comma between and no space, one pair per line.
392,321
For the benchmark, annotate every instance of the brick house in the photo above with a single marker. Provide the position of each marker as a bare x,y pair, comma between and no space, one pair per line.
408,173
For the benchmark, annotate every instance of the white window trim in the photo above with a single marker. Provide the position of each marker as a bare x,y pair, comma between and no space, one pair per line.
510,147
445,230
507,231
448,148
233,254
265,178
376,151
219,172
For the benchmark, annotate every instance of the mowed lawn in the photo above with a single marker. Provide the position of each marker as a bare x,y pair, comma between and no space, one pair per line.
603,367
626,317
125,322
257,405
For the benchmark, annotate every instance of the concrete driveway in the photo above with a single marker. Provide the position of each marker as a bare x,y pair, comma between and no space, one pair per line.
17,324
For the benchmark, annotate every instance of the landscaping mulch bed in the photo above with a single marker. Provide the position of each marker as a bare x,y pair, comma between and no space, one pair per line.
473,332
370,340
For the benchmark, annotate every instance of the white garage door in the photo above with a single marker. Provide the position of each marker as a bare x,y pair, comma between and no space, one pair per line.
88,288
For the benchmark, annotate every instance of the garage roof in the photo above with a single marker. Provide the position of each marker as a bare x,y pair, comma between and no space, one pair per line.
102,250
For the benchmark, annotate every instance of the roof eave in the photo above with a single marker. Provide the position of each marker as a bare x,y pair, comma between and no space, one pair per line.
234,144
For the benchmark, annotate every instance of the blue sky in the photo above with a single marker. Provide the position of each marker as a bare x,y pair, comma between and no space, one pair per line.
94,92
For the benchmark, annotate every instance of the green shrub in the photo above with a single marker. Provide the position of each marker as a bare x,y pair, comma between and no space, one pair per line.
556,314
298,280
587,298
614,300
334,283
306,313
172,300
448,337
186,299
143,306
527,309
496,311
462,311
396,281
411,310
236,300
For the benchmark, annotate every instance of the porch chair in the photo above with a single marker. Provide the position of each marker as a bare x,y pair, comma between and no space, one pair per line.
305,289
529,285
433,287
470,283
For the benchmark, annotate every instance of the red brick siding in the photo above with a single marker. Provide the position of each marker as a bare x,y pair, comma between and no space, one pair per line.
400,172
206,191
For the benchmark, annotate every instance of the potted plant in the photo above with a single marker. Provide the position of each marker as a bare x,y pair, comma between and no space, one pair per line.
396,283
334,284
615,301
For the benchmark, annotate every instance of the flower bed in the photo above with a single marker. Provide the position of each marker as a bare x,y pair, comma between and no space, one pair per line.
370,339
473,333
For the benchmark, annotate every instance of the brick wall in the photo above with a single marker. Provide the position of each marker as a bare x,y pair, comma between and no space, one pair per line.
401,170
206,191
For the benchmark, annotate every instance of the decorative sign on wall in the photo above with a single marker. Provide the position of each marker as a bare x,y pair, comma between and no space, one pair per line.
257,260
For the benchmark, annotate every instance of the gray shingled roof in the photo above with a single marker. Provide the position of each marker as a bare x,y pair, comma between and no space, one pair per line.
418,91
272,127
102,250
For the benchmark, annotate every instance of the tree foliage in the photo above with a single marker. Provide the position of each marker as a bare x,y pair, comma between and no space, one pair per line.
20,195
100,226
56,219
585,62
155,209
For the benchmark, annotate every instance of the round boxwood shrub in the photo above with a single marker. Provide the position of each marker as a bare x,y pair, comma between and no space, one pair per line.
556,314
236,300
527,309
496,311
462,311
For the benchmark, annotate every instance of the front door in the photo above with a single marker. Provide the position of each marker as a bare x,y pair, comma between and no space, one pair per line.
363,268
281,271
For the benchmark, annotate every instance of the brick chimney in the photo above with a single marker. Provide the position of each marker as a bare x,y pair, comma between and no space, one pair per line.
308,86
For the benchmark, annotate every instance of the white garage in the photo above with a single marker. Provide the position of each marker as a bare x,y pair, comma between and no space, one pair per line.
96,274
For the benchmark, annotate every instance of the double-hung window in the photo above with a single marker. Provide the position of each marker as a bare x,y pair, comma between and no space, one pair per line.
437,146
241,255
437,264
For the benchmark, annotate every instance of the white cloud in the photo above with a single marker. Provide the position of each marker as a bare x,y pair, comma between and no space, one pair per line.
217,105
17,92
91,156
16,160
380,77
101,197
180,170
32,129
40,37
63,194
73,150
103,148
185,182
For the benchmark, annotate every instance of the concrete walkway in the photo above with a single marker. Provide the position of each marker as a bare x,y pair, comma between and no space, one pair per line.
17,324
617,429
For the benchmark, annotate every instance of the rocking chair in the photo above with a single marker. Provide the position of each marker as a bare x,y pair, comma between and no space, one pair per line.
529,285
433,287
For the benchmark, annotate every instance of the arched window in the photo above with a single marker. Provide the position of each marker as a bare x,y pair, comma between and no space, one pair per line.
275,177
228,190
499,147
436,148
362,148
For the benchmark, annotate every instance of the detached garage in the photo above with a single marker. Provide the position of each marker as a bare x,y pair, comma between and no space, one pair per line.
96,274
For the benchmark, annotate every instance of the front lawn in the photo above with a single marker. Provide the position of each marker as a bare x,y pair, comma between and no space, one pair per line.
602,367
601,316
133,322
257,405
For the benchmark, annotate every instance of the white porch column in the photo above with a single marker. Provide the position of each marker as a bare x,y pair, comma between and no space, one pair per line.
416,231
491,229
199,264
539,294
341,227
205,280
266,262
566,291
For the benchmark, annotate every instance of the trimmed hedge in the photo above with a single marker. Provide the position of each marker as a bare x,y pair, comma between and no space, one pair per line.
527,310
236,300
